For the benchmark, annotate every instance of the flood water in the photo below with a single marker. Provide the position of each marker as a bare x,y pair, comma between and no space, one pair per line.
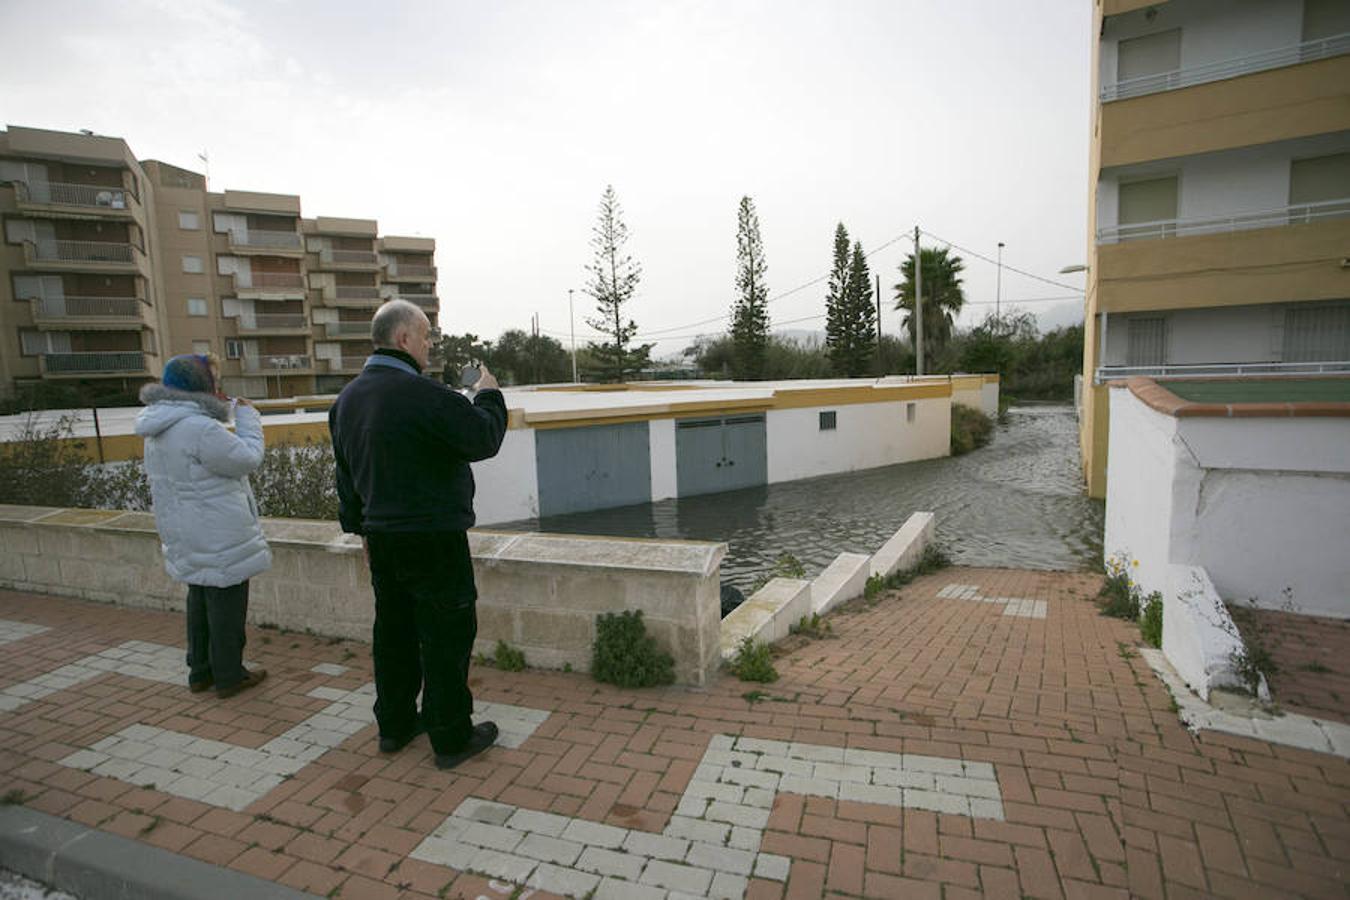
1017,502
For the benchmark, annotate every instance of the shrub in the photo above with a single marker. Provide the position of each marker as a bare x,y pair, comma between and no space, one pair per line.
120,485
297,481
1151,622
45,465
508,658
1119,595
786,566
754,662
971,429
626,655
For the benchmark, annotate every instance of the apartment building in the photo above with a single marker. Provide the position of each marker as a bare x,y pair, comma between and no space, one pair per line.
111,265
1219,210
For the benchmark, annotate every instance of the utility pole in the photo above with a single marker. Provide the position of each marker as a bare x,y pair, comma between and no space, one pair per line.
534,345
998,284
880,367
918,305
573,325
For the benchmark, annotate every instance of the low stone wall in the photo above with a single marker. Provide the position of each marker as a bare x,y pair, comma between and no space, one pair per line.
540,593
767,615
906,546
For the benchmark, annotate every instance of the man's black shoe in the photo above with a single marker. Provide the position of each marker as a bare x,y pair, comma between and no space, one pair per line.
484,736
393,744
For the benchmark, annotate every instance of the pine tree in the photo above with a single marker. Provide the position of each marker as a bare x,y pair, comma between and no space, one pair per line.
862,316
836,302
614,280
750,315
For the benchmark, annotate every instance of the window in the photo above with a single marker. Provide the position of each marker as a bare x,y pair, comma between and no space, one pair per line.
1317,334
827,420
1146,203
1325,18
192,265
234,349
35,343
1152,54
910,408
1147,344
201,348
196,306
189,220
1319,180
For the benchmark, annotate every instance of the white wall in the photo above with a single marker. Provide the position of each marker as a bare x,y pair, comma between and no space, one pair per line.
988,396
664,474
1140,471
1211,30
866,435
508,484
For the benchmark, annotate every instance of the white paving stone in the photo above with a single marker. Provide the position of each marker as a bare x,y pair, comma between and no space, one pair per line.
677,876
618,889
11,630
657,846
611,863
1020,607
726,886
563,880
772,866
330,669
595,834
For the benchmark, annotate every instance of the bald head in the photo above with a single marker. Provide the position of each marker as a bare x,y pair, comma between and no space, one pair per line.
391,319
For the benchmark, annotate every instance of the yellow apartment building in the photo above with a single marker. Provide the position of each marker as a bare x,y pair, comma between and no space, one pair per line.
1219,201
110,265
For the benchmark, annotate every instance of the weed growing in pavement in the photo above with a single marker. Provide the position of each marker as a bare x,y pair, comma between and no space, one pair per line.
1254,661
812,626
753,697
14,797
754,662
1151,621
1119,594
153,824
626,655
785,566
1123,650
1314,666
933,558
508,658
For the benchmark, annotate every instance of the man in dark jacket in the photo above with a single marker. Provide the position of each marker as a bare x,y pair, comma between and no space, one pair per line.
403,445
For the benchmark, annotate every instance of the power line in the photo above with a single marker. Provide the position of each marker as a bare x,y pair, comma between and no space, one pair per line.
1027,300
968,251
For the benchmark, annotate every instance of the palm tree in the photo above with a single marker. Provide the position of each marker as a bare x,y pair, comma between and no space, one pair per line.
942,295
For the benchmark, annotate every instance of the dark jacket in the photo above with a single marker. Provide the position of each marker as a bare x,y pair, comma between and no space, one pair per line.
403,445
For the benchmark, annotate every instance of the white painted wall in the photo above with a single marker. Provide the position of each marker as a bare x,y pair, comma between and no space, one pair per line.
988,397
867,435
508,484
1141,468
664,473
1211,30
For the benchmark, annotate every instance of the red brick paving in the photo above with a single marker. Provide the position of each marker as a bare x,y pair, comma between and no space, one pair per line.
1105,794
1312,659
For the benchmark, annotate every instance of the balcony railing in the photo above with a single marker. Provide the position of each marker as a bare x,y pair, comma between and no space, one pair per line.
269,240
1324,48
83,251
276,362
410,270
426,301
121,361
1299,214
357,292
271,280
349,257
90,307
1262,370
336,329
55,193
269,321
348,362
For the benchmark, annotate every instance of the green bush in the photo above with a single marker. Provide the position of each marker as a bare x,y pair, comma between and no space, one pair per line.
1151,621
754,662
971,429
1119,595
626,655
297,481
508,658
786,566
45,466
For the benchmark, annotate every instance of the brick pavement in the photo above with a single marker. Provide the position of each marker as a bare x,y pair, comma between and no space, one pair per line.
1312,659
931,747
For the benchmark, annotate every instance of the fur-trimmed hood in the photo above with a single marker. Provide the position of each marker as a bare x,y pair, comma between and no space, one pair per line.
166,406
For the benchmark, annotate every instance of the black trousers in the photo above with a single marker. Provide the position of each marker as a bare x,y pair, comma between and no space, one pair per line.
215,633
425,624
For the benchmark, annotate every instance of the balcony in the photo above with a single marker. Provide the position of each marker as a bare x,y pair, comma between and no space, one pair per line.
269,286
274,323
348,330
99,313
85,201
83,365
358,260
83,256
347,364
283,364
1271,218
426,301
271,243
1225,370
1308,51
1283,255
397,271
1260,107
353,296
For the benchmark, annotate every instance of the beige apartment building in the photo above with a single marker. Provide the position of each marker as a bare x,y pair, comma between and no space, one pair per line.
1219,201
110,265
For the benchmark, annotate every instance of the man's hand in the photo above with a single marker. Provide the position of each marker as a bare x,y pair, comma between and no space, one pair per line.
487,381
243,401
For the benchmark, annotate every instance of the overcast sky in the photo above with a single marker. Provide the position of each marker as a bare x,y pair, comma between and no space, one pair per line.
495,126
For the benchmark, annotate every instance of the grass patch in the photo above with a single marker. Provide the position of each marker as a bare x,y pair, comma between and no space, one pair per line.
508,658
812,626
754,662
626,655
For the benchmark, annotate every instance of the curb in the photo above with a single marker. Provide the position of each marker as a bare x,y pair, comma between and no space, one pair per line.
96,865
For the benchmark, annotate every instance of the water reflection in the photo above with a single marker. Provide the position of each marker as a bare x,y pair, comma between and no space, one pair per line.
1018,502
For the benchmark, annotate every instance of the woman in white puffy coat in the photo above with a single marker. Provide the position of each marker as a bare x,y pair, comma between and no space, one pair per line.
205,513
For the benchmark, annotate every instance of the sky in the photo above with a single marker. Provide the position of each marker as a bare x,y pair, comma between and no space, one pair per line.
495,127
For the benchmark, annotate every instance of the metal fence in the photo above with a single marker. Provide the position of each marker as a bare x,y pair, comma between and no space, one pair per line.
90,307
1298,214
121,361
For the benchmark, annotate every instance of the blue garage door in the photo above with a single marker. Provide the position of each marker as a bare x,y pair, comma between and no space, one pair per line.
722,454
596,467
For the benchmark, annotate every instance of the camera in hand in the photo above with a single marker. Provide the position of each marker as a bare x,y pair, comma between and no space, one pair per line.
469,375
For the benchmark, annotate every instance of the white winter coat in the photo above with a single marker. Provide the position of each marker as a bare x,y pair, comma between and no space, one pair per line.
204,507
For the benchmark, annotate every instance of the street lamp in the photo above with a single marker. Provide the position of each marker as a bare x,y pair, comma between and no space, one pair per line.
1069,270
573,325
